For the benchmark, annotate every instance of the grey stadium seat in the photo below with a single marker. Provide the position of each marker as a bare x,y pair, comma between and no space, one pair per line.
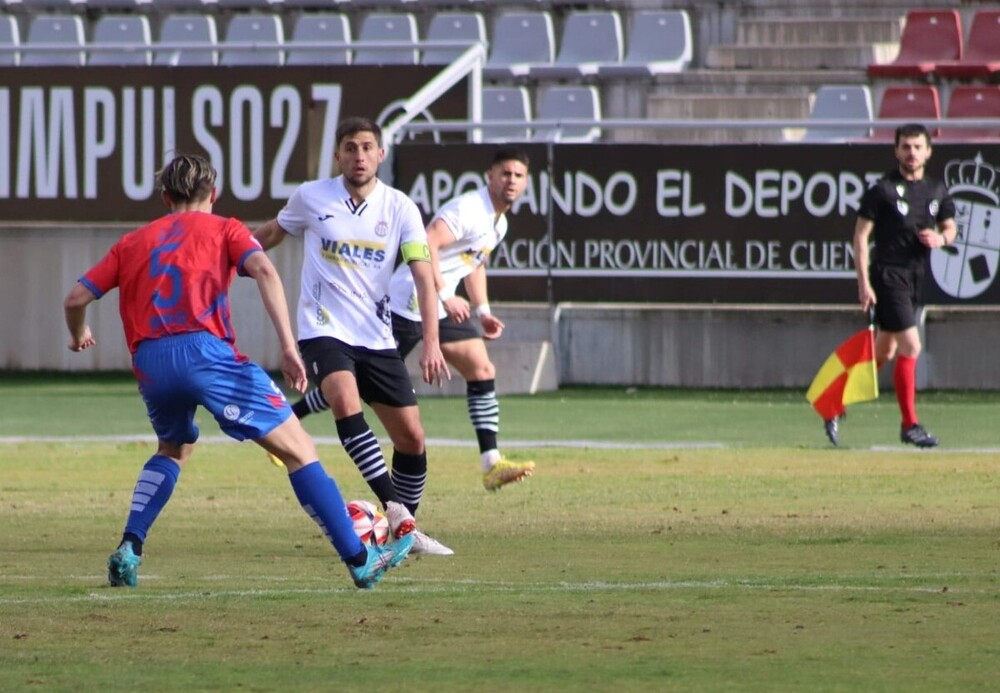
394,27
319,28
589,38
832,102
55,30
568,104
659,43
129,31
10,36
506,103
520,40
452,26
263,30
186,30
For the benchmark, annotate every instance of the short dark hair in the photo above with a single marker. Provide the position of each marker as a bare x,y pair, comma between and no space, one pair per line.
355,124
511,154
187,178
912,130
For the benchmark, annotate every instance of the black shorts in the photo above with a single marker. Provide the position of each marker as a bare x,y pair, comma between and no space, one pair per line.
381,374
896,293
408,333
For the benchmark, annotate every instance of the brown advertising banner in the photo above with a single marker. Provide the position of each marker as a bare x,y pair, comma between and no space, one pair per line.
84,144
708,224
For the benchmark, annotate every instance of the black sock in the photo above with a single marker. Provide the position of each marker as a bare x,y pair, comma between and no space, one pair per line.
136,542
358,559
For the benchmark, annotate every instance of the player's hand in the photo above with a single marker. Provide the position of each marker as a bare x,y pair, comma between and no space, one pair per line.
433,366
294,370
931,238
84,340
457,309
866,296
492,326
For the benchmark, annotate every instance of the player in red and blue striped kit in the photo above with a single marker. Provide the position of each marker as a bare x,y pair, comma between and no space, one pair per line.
173,278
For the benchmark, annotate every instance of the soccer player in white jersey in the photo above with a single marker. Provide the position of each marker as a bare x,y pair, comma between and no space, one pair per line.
461,237
352,227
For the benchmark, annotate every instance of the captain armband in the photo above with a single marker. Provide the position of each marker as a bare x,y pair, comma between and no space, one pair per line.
416,250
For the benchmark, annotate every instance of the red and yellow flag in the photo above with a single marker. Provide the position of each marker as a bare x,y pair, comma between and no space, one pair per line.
846,377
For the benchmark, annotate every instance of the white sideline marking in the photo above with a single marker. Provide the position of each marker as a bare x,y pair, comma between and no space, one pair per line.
433,442
125,594
469,443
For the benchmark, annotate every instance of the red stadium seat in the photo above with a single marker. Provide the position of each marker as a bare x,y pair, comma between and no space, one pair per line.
982,52
917,103
973,102
929,37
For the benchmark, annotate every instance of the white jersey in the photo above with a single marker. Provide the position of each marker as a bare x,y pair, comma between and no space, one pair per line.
477,229
350,252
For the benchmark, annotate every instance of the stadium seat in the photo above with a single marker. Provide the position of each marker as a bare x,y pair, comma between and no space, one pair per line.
262,32
102,6
929,37
186,30
319,28
981,59
918,103
834,102
659,43
588,39
55,30
42,6
391,27
130,31
452,26
10,37
179,6
506,103
568,104
980,101
520,40
239,5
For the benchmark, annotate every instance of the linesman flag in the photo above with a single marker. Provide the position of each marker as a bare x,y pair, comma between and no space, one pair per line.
847,376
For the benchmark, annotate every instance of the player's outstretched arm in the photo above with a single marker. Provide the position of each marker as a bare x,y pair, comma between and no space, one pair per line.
75,309
440,235
475,286
272,293
269,234
432,363
862,232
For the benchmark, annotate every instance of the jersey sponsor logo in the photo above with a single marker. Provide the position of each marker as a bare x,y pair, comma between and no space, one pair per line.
966,268
474,257
353,254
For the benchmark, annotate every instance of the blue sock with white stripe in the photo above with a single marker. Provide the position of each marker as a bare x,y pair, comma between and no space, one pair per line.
321,500
152,491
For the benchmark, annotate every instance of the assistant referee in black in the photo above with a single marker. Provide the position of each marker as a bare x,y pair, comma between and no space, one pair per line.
909,213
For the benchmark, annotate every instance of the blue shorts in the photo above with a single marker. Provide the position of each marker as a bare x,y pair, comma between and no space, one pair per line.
178,373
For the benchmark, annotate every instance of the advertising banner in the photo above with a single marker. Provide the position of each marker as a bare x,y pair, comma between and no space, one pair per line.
84,144
708,224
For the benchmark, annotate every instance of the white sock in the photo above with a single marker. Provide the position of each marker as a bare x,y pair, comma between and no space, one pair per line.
490,458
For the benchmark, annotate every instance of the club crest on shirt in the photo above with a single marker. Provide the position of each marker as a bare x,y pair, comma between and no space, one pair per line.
966,268
381,229
902,206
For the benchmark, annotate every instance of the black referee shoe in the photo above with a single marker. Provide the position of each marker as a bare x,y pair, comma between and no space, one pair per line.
832,430
918,435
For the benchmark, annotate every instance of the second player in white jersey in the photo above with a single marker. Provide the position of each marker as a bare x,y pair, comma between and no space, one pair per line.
478,229
350,252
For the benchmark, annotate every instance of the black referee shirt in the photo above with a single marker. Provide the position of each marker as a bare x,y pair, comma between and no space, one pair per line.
900,209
